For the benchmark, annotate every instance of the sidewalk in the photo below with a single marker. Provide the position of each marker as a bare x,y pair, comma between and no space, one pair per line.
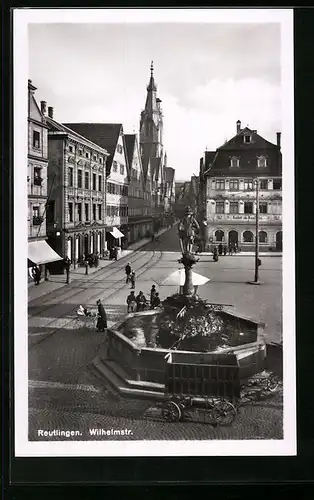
57,281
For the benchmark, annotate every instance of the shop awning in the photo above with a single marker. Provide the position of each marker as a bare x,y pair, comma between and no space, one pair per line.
39,252
116,233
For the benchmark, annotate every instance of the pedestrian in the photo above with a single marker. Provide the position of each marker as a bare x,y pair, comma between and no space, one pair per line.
102,317
67,264
37,275
230,249
128,271
215,254
152,294
131,302
133,280
156,301
115,253
140,301
96,259
220,249
225,249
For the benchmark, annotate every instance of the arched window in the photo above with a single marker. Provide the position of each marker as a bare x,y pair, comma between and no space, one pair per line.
262,237
248,237
219,235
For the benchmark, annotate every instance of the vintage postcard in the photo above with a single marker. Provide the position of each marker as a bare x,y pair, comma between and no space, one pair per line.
154,232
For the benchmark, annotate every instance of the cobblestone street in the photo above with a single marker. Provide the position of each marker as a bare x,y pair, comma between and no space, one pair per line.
65,394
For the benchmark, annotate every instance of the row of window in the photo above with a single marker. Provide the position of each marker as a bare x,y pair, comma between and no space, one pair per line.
247,236
139,211
234,207
95,215
117,211
248,184
136,193
261,162
115,166
73,149
135,174
87,185
119,189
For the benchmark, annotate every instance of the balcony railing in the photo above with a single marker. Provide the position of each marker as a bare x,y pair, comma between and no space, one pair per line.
37,220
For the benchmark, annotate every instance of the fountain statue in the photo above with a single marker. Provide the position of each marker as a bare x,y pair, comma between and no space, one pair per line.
187,230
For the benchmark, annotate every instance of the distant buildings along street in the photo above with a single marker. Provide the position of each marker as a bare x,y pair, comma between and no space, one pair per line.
227,186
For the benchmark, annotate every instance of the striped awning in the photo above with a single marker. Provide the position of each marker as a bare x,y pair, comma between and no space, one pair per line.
116,233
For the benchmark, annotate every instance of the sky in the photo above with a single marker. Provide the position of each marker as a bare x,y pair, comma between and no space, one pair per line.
208,76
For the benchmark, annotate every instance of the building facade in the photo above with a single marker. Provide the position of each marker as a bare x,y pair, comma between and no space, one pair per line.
76,214
231,197
37,168
139,198
110,137
169,195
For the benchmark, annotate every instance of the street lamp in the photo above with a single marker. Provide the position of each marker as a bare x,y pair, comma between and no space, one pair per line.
257,261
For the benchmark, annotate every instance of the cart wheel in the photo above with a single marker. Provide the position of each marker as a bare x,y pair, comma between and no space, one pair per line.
272,383
224,413
171,411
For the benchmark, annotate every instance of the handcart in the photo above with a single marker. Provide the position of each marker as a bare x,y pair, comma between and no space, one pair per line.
207,385
212,387
87,318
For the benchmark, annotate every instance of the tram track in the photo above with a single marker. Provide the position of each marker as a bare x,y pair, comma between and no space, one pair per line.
150,263
82,284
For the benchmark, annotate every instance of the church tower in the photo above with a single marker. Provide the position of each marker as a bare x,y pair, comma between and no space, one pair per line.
151,122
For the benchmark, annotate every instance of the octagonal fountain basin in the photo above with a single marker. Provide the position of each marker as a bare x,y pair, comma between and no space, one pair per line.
134,345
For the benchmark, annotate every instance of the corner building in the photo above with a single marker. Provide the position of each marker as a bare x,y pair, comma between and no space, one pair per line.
229,177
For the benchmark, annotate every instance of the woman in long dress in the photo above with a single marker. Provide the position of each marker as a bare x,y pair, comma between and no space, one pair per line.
102,317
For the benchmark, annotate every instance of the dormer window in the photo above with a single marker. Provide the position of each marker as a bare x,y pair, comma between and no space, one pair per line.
247,139
234,162
261,162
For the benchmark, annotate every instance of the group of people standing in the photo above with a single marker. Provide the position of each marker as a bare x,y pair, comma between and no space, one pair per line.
137,303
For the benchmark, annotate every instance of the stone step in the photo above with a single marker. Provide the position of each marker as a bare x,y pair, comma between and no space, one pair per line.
136,384
121,387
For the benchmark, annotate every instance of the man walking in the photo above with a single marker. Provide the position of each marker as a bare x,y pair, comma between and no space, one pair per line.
102,317
128,271
131,302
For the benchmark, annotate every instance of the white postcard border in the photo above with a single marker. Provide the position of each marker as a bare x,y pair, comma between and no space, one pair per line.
25,448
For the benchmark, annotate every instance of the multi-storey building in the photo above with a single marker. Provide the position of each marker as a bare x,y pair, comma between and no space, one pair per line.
39,252
110,137
76,217
139,199
230,176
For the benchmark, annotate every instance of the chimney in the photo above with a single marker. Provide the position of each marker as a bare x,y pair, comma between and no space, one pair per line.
50,112
43,107
238,126
279,139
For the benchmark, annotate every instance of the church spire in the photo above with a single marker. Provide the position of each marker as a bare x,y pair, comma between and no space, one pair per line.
152,87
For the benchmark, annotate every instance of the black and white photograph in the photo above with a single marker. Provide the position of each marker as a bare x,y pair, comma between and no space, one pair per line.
154,232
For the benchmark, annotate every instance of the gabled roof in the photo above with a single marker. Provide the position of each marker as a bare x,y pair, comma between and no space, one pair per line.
130,146
60,127
106,135
237,141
